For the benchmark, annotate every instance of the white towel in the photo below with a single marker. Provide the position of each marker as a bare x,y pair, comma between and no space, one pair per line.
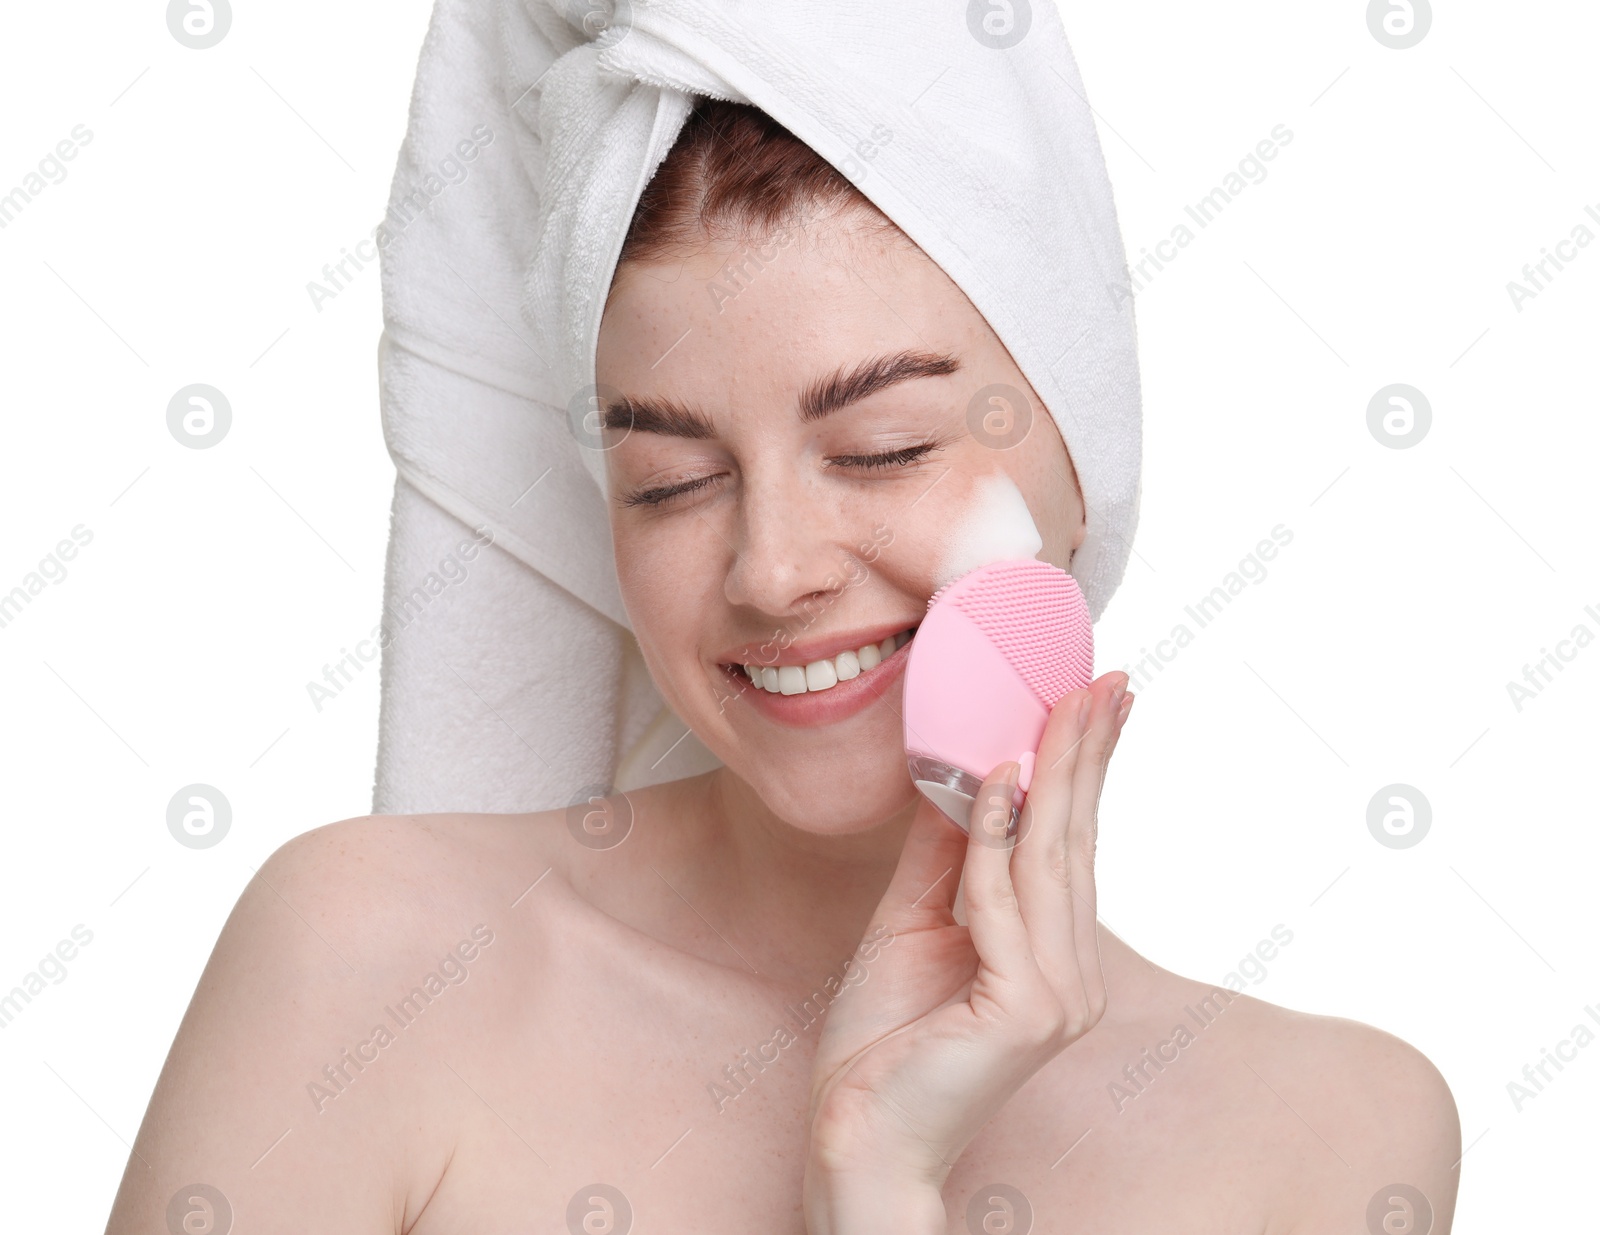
511,679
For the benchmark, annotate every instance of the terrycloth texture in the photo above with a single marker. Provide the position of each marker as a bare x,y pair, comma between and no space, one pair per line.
511,680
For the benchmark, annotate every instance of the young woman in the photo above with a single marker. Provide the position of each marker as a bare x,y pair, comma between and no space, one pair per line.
786,995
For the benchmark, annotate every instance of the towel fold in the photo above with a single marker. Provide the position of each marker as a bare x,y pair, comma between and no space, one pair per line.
535,126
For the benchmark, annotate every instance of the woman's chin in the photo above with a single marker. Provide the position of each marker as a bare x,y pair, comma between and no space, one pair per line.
829,779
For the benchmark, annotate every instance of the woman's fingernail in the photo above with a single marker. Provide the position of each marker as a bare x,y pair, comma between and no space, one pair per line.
1083,709
1127,706
1114,704
1010,775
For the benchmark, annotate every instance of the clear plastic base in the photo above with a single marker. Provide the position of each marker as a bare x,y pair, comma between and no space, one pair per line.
953,790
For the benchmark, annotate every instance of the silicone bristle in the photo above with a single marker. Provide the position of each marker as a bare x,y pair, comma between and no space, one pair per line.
1035,615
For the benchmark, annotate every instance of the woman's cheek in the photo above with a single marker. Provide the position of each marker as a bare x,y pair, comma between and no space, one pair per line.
659,581
908,543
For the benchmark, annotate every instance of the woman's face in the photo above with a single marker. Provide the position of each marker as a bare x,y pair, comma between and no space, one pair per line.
758,375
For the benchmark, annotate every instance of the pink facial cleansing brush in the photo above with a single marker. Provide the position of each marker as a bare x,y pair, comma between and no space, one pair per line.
995,650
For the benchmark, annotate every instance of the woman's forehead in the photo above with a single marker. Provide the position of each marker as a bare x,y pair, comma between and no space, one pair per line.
733,310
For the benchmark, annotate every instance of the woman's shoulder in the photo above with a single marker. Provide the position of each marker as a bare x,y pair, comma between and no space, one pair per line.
405,835
1349,1110
396,883
361,903
1366,1078
423,862
344,969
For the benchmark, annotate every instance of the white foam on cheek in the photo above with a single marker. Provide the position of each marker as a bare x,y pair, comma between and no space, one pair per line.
996,527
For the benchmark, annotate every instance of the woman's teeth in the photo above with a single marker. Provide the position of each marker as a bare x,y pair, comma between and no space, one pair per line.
822,674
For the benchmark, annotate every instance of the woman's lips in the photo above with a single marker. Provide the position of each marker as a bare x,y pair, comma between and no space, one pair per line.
812,708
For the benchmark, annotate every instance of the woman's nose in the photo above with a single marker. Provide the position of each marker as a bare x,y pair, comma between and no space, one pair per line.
788,546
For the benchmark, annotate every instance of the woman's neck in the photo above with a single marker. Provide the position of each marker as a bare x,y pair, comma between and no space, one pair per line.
800,902
808,897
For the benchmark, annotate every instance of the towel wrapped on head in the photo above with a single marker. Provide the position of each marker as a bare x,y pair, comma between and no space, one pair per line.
511,680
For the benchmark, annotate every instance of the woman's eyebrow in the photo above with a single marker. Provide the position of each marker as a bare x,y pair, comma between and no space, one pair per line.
826,395
839,389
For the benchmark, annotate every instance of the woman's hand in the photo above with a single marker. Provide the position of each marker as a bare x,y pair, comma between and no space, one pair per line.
952,1020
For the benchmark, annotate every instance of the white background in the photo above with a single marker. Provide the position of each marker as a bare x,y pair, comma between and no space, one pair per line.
1377,649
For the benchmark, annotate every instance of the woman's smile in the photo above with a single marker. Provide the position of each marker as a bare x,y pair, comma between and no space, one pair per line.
822,691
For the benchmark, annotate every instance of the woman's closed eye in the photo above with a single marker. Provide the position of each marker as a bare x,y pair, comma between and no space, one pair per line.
889,458
873,462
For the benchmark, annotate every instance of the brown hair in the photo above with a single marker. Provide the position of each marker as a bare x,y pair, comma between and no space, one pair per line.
735,173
